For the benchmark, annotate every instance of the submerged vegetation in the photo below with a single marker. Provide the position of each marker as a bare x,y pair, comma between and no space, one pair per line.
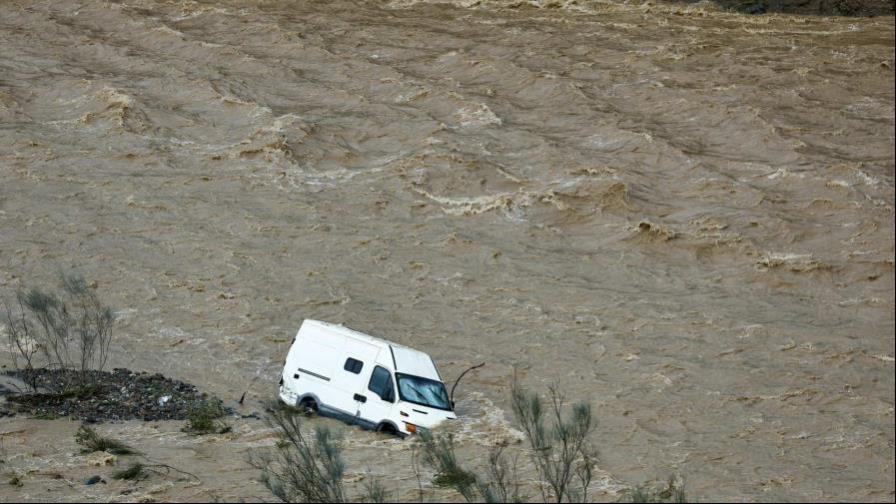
498,486
560,450
671,491
303,467
91,441
308,466
203,418
133,472
438,453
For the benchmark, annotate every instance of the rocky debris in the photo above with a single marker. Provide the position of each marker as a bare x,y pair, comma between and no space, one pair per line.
117,395
93,480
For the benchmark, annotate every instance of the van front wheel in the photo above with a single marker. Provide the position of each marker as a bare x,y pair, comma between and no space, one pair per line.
387,428
308,405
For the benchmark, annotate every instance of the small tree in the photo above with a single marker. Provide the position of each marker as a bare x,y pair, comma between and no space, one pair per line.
23,346
302,468
70,330
374,491
560,452
503,486
438,453
91,324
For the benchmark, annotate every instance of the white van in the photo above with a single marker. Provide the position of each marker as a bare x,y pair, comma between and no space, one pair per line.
363,380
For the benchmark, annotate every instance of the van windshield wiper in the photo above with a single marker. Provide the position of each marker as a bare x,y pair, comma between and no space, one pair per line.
433,396
417,391
425,400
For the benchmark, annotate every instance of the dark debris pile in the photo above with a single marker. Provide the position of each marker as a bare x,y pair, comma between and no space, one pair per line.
118,395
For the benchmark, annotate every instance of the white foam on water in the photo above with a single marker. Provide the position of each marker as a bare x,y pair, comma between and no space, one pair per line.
476,116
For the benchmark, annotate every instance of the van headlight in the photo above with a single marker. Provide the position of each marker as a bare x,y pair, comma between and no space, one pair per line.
414,429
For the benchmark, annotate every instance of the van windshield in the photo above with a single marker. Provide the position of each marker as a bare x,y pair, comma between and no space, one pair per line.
423,391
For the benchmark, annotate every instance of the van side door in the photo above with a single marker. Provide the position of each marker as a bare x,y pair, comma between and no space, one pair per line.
354,370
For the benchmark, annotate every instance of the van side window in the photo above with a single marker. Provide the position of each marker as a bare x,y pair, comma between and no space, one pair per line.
381,384
353,366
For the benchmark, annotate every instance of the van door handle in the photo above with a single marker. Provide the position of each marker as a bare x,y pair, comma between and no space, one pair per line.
360,398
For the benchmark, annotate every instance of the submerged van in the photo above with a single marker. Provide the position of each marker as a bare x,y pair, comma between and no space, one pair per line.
363,380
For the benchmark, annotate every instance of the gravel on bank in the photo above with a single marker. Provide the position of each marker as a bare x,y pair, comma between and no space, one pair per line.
118,395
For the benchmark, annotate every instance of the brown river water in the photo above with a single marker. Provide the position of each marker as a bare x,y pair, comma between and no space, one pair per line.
681,215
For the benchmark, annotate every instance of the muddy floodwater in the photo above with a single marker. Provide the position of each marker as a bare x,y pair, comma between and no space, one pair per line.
681,215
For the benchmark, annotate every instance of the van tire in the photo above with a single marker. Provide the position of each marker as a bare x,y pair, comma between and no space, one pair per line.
308,405
387,428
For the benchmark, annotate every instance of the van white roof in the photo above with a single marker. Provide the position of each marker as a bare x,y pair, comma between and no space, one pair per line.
405,359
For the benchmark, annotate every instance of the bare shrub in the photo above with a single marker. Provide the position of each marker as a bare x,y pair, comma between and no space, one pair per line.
22,343
302,468
135,471
671,491
307,468
503,485
91,323
203,418
92,441
374,491
69,329
438,452
560,451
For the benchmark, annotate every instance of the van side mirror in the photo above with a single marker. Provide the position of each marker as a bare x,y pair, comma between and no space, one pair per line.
452,405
